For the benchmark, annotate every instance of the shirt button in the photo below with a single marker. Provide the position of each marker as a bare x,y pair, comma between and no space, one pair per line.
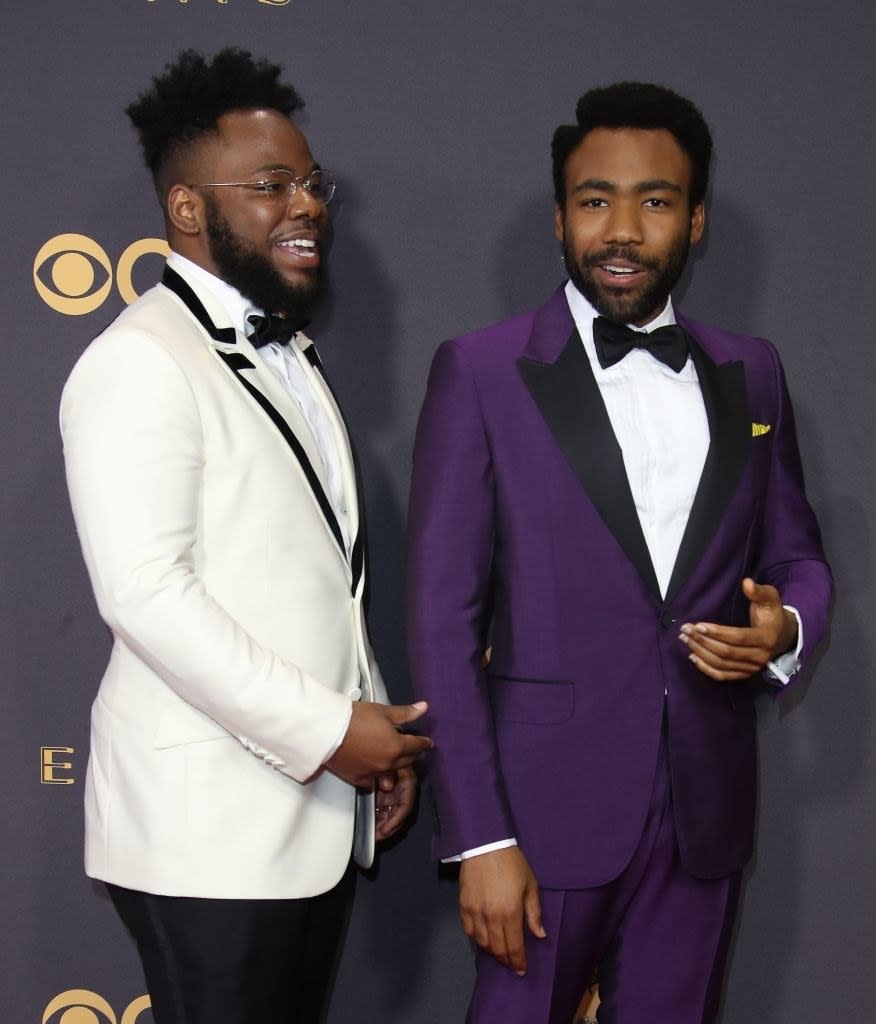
355,693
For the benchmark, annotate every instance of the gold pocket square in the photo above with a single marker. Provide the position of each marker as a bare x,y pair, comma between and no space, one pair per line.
759,429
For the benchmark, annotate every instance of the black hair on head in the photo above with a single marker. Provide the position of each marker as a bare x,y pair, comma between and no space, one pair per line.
187,100
637,105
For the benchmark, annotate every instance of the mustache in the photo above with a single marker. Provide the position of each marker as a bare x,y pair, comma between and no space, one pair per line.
619,253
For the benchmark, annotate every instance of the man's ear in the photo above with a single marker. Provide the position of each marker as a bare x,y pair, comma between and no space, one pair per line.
185,210
559,223
697,222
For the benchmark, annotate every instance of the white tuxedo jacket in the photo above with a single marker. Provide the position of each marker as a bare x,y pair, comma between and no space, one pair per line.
239,639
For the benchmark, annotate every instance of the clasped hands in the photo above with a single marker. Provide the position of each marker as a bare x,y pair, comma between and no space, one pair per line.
375,754
729,653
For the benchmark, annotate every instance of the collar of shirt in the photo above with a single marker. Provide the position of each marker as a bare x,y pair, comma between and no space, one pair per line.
236,305
584,314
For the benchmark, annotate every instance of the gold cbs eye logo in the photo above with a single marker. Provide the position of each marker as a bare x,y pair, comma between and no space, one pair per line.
81,273
79,1006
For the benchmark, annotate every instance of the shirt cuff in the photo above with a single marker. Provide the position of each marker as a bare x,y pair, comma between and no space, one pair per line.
786,665
501,844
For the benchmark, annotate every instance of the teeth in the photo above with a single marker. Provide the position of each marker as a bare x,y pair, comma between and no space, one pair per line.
298,243
619,270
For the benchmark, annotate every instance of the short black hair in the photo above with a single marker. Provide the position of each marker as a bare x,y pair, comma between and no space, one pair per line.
637,105
188,98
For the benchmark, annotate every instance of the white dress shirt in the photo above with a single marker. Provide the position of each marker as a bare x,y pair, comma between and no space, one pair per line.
659,420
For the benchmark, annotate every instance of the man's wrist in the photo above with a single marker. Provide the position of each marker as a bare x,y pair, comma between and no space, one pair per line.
478,851
788,637
786,663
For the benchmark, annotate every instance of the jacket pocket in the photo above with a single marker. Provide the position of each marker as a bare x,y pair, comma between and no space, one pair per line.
186,725
532,701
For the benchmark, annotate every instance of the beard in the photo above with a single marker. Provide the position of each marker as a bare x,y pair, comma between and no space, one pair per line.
621,305
255,277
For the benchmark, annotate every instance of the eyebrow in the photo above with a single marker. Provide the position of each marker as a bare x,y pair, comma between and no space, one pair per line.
284,167
601,185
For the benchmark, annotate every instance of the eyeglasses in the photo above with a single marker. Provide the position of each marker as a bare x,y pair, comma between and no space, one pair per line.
279,186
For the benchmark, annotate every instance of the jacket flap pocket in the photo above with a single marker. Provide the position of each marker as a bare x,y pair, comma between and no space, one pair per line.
186,725
535,701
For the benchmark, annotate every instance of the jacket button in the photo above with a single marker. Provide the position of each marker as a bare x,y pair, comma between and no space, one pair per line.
666,620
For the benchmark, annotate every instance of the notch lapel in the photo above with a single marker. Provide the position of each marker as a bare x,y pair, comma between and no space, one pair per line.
567,395
251,373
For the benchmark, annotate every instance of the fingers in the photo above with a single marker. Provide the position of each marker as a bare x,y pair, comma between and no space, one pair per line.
710,634
732,652
498,932
723,672
404,714
394,805
498,893
515,947
724,661
532,912
373,747
386,781
389,819
411,748
760,593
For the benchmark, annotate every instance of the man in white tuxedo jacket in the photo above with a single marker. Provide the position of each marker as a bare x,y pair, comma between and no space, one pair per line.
214,492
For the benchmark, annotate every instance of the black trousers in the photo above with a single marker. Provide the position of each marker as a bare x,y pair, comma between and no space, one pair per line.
214,961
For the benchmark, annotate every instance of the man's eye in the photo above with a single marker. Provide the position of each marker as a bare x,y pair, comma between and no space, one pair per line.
655,203
593,204
272,188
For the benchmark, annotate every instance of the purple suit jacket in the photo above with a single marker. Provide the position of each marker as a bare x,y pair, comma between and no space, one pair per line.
523,533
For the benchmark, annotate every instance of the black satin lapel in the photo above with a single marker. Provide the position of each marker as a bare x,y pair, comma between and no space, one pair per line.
726,400
359,552
236,362
568,397
171,279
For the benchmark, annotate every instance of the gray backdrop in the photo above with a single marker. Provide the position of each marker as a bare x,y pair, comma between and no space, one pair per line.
437,119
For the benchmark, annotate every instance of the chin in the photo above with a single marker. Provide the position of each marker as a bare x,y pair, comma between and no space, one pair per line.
305,283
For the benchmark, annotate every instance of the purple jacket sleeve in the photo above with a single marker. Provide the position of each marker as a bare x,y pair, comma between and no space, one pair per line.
450,540
790,555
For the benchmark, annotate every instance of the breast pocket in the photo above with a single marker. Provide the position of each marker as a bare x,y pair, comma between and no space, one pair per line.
532,701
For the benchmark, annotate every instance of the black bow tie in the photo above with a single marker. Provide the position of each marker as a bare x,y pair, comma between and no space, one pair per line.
613,341
272,327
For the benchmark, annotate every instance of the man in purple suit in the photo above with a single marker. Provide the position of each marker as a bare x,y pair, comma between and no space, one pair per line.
610,495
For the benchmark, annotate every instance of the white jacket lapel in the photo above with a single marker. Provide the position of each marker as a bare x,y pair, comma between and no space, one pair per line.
234,352
345,453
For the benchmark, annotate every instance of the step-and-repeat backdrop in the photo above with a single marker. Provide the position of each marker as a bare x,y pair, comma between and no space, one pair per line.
437,118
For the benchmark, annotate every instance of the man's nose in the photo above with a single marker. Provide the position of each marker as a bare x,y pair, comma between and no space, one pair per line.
303,203
623,224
